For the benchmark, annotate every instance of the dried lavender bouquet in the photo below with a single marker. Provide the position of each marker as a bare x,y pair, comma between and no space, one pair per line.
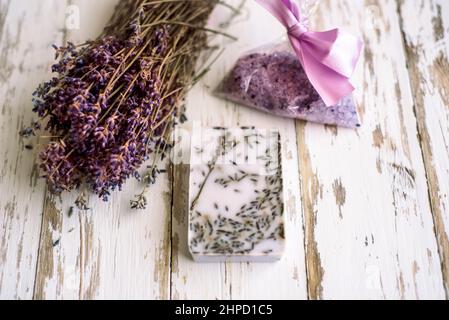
300,76
113,101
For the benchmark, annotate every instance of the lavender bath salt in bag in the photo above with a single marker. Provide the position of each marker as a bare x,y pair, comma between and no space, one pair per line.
273,78
273,81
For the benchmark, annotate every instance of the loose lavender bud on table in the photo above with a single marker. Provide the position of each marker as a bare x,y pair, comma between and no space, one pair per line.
275,82
236,196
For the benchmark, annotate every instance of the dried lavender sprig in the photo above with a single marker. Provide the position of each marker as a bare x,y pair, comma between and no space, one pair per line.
110,97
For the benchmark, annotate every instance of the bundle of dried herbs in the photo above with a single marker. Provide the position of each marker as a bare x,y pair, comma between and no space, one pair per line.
113,101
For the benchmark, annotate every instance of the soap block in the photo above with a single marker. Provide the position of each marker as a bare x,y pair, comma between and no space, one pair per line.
236,205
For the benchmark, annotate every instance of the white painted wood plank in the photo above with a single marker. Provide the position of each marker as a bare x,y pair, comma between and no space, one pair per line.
369,222
26,35
426,30
109,252
287,278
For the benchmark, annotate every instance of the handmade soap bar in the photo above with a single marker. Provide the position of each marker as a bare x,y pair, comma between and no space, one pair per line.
236,196
275,82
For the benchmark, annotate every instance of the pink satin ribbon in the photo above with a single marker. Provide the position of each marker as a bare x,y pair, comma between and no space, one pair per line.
328,58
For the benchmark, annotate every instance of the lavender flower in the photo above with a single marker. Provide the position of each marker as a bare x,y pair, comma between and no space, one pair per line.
112,101
104,137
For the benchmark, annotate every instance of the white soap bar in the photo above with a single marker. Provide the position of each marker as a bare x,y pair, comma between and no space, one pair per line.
236,205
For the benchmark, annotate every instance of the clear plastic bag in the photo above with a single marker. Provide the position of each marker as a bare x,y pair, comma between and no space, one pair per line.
271,79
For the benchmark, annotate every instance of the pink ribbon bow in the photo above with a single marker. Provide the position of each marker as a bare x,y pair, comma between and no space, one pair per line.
328,58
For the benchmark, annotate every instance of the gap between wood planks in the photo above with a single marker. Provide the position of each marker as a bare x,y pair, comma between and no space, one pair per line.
314,269
37,286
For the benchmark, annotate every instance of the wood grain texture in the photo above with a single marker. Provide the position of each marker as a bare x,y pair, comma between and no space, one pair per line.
108,252
285,279
369,226
425,26
367,210
24,62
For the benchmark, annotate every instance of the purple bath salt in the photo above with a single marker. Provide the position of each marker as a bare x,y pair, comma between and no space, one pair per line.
275,82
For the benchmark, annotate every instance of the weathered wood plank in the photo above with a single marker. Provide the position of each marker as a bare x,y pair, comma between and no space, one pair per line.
109,251
365,195
425,27
369,227
23,64
285,279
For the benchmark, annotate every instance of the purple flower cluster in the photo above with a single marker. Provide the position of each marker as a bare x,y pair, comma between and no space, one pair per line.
104,107
113,102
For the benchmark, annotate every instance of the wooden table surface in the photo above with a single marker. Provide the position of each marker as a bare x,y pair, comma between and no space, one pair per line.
367,210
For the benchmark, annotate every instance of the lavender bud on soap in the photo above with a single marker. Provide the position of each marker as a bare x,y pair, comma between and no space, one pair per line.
236,206
275,82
